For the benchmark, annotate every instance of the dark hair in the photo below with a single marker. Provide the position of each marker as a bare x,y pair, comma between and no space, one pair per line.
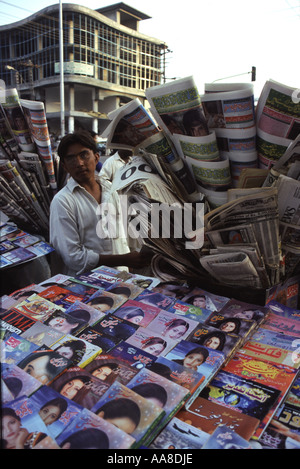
119,408
201,350
8,412
236,321
149,390
130,312
120,290
78,348
14,385
176,323
79,314
87,439
82,137
58,402
51,369
104,300
219,334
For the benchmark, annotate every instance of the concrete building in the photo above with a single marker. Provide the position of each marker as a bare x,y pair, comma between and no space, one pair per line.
107,62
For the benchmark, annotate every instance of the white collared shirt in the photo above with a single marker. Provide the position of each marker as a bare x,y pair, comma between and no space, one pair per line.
73,227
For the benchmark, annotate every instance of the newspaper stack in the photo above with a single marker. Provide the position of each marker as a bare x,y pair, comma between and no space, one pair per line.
27,169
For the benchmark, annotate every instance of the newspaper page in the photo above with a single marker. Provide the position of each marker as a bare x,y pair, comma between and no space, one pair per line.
37,122
278,121
229,105
177,107
10,104
130,125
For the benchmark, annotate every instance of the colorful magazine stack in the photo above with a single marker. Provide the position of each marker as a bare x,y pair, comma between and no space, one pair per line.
79,365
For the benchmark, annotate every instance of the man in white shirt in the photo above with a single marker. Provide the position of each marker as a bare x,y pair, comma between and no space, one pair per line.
75,222
113,163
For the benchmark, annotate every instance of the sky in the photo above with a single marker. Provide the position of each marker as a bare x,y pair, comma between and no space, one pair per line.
219,40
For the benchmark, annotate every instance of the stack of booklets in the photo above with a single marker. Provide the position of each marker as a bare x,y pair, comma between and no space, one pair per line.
18,246
104,360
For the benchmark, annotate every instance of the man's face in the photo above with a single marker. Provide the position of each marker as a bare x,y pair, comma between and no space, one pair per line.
80,162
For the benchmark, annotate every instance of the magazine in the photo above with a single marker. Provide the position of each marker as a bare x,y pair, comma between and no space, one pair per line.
56,411
41,334
85,312
65,323
137,312
208,415
23,413
140,417
151,342
105,302
179,435
80,351
164,393
227,322
242,394
109,368
226,438
88,431
271,353
282,324
182,308
172,326
44,364
79,386
99,339
14,348
38,308
197,358
14,321
203,299
18,381
116,327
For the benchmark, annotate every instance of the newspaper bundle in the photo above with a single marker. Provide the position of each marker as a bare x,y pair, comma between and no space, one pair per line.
278,121
27,169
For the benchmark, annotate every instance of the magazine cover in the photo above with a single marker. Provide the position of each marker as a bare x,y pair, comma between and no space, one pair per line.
208,415
86,312
105,302
293,396
44,365
80,351
282,324
56,411
275,339
80,386
203,299
137,312
84,290
103,341
96,280
109,368
271,354
287,421
227,323
41,334
189,311
179,374
164,393
128,290
215,339
14,321
155,299
65,323
114,326
88,431
143,281
37,308
14,348
174,289
239,309
18,255
226,438
197,358
241,394
172,326
61,296
29,430
273,439
283,310
133,356
151,342
18,382
179,435
133,413
276,376
6,395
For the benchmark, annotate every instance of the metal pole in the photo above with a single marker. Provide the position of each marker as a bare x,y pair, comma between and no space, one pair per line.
62,86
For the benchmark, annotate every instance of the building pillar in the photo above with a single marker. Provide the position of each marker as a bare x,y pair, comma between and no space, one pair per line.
71,125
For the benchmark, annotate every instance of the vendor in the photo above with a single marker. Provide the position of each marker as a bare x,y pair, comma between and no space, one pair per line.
76,230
